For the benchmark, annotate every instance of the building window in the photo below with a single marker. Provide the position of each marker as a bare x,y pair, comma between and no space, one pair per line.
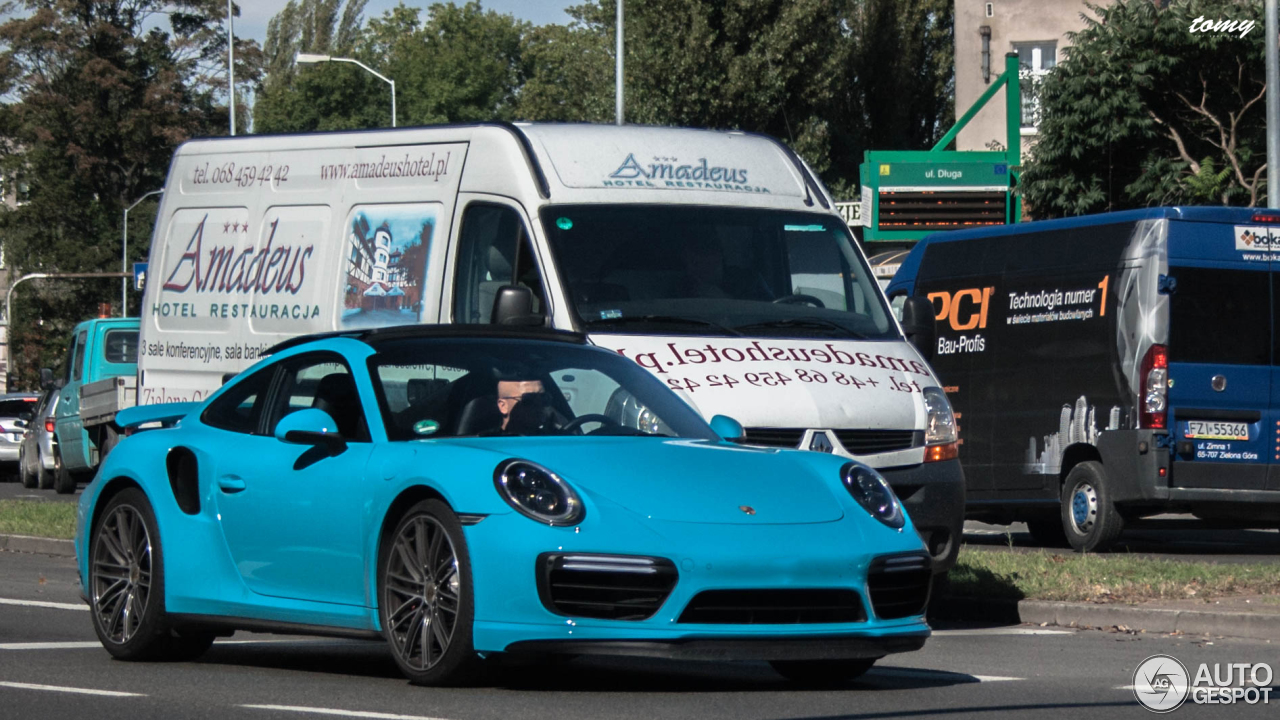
1035,60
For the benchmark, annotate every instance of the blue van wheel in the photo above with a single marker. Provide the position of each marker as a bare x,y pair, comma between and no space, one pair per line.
1090,519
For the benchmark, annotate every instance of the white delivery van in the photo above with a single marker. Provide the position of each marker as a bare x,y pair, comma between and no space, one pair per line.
714,259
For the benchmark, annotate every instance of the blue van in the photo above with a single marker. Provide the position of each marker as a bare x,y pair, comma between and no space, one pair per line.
1110,367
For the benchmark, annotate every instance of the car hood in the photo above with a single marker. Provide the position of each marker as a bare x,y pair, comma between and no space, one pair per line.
684,480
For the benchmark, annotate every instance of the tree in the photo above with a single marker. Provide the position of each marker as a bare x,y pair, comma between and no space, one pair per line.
1145,112
459,65
103,96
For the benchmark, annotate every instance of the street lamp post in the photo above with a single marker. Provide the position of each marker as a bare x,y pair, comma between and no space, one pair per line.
124,254
310,59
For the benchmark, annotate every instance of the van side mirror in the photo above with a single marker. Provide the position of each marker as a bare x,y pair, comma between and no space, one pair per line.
310,427
46,378
920,325
727,428
513,305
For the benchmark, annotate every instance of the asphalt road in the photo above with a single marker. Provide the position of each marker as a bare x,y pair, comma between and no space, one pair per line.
52,667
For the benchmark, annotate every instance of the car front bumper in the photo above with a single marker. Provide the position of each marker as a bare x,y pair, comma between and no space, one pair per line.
510,616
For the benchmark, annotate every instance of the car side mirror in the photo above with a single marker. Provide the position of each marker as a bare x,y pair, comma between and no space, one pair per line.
513,305
46,378
310,427
920,325
727,428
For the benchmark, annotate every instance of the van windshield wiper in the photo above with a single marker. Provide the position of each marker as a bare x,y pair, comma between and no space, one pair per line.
659,319
805,323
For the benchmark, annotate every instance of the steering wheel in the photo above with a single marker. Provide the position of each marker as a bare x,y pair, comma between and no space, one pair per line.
578,422
799,298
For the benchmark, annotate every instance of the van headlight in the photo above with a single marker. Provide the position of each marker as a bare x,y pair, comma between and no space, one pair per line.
872,492
940,424
537,493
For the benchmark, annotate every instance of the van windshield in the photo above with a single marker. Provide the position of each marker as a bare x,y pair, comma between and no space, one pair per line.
662,269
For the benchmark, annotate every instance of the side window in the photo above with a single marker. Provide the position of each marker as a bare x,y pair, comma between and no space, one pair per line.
322,381
493,250
69,361
77,359
240,408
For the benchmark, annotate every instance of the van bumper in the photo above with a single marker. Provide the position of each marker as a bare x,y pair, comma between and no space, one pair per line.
933,494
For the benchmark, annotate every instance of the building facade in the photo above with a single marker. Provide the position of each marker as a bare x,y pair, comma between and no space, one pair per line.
985,30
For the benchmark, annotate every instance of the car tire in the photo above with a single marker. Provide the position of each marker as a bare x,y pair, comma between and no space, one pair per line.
126,585
1089,517
44,478
821,673
25,476
425,601
64,481
1047,532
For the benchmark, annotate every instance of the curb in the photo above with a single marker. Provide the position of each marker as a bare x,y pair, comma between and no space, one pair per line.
1259,626
40,545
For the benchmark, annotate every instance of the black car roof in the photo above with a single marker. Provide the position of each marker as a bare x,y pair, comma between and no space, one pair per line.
376,336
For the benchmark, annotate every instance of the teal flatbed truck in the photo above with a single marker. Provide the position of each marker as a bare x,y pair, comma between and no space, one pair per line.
100,379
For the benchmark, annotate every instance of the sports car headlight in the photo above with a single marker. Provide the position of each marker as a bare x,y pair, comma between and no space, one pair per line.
538,493
873,493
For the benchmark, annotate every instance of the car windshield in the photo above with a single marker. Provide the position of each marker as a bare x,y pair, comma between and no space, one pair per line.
714,271
432,388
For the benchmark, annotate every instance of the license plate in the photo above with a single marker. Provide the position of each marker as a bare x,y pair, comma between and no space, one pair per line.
1207,430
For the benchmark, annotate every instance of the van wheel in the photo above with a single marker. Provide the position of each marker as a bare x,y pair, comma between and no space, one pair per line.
64,483
1047,532
1089,518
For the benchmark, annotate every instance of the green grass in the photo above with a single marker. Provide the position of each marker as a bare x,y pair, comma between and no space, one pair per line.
1042,575
42,519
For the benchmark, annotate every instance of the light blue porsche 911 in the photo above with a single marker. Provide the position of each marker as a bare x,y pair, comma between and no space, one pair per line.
465,492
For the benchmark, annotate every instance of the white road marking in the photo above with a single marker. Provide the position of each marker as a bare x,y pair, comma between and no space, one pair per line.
58,688
940,674
43,604
1000,631
342,713
50,645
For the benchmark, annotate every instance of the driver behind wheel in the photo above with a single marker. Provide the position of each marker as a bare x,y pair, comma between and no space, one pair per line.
526,408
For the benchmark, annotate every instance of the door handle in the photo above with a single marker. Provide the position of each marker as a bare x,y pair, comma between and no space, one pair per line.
231,483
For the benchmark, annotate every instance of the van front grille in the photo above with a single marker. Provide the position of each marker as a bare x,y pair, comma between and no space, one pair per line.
869,442
774,607
773,437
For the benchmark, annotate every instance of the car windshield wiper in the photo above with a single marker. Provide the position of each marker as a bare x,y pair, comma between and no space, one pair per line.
669,319
806,323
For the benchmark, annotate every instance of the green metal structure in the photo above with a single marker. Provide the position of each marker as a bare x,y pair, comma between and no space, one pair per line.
907,194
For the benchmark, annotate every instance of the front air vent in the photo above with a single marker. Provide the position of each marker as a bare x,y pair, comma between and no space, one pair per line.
899,585
610,587
774,607
870,442
773,437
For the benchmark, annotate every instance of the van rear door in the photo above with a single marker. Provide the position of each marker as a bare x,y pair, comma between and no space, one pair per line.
1220,356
